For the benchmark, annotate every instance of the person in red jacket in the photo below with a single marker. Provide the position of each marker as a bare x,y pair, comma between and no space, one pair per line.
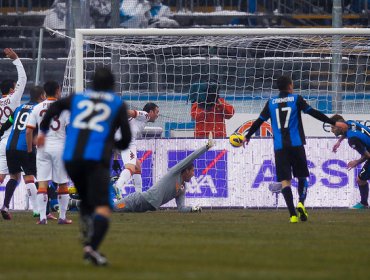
209,111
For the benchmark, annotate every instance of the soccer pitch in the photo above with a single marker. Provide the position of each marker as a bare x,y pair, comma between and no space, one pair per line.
215,244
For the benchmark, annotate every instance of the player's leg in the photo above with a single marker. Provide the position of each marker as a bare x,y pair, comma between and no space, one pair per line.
302,189
10,187
60,176
300,171
44,175
283,173
138,181
363,186
15,169
129,157
91,182
28,163
3,162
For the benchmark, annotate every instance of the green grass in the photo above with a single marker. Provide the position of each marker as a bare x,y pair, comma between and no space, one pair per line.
216,244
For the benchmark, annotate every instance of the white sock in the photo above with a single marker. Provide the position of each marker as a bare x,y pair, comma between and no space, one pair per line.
138,182
63,200
32,194
42,201
123,178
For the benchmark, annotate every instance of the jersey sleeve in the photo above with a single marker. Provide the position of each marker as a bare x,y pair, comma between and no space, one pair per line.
180,202
357,144
265,114
32,119
189,159
16,96
142,116
302,104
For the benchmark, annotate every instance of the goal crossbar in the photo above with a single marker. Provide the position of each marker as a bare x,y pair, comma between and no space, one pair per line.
80,33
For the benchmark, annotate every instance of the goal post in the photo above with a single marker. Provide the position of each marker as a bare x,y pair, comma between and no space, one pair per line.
329,67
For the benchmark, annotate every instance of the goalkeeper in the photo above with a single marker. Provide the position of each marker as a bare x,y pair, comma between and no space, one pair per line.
171,186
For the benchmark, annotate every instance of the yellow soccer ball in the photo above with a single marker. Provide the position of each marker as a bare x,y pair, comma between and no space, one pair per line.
236,139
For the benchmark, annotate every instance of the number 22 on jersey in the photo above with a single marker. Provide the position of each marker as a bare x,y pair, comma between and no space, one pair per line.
91,116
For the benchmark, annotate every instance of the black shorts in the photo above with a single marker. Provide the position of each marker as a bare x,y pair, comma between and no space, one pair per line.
365,171
291,159
91,180
19,161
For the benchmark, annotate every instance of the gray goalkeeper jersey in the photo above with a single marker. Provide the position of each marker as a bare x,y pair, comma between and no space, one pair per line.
166,189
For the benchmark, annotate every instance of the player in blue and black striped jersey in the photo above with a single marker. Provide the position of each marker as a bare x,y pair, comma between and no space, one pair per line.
289,140
95,116
17,156
358,136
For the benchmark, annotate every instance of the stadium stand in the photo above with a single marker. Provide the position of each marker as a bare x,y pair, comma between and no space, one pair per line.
21,22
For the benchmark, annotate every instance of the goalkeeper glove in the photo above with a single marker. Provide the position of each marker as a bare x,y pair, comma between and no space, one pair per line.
197,209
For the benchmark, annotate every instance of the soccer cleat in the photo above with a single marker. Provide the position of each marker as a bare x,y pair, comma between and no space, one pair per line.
95,258
358,206
51,217
42,222
293,219
5,213
302,212
64,221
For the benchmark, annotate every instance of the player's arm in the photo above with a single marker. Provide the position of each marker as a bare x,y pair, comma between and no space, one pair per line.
337,144
30,127
132,113
307,109
190,158
264,116
7,125
357,144
123,125
22,77
180,202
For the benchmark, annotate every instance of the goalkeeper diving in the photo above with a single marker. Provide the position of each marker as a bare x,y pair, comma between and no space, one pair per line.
171,186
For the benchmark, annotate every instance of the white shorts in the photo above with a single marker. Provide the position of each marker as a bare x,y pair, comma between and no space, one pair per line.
50,166
3,163
129,156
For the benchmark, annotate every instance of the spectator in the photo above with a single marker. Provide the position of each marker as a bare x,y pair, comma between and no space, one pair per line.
209,110
134,13
55,17
100,13
160,15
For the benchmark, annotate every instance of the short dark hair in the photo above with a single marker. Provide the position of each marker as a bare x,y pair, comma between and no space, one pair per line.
6,85
188,167
103,80
283,83
150,106
51,88
35,93
337,118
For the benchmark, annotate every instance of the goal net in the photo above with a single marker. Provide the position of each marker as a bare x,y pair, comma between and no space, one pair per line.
175,68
